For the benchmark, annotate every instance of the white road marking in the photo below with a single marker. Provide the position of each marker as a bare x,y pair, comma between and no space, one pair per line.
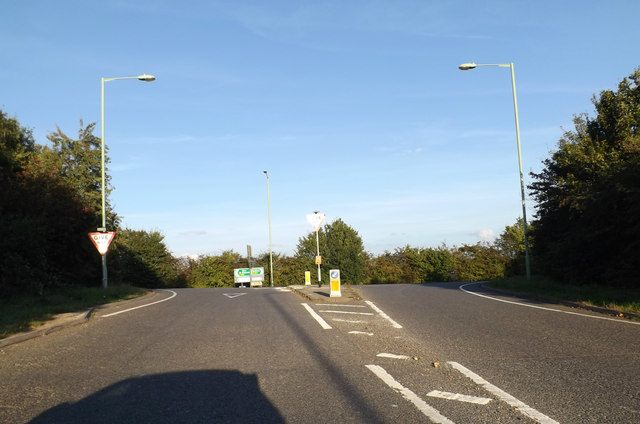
142,306
350,321
340,305
429,411
504,396
459,397
462,287
361,332
349,312
392,356
233,295
317,317
382,314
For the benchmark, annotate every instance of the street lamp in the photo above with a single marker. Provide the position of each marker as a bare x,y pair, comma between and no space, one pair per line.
269,213
472,65
143,77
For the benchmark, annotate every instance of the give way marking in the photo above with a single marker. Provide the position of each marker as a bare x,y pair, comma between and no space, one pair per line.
233,295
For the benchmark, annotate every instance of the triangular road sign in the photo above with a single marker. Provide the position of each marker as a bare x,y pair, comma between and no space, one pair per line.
102,241
315,219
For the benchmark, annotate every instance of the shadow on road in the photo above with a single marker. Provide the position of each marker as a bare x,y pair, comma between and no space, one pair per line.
180,397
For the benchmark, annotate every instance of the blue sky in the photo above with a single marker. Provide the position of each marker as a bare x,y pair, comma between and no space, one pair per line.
356,108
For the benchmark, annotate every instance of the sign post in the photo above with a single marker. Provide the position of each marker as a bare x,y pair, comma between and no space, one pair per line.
316,219
102,241
334,283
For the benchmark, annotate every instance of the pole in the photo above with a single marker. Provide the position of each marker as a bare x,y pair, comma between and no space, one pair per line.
269,214
105,282
317,255
527,262
143,77
472,65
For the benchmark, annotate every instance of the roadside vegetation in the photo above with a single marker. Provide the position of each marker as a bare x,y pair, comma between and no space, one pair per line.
20,313
613,298
584,239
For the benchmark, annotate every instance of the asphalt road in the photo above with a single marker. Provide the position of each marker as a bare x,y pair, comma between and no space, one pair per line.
405,353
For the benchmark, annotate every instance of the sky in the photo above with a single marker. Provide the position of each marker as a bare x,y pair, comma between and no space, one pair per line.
355,108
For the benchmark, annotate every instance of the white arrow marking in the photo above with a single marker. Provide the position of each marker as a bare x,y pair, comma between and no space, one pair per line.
504,396
429,411
234,295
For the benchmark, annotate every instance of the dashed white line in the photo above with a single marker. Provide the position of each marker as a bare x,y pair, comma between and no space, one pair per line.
317,317
459,397
429,411
348,312
382,314
142,306
366,333
392,356
504,396
340,305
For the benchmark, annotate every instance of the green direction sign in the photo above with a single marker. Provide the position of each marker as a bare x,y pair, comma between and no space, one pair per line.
257,271
243,272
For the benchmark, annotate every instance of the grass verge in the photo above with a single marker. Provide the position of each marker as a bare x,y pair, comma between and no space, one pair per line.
618,299
22,313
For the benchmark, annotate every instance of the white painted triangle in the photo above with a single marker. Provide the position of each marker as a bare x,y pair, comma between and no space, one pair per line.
234,295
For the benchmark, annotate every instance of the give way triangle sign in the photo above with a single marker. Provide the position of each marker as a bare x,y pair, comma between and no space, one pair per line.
102,241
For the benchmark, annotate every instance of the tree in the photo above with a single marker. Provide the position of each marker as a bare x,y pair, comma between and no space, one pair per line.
340,247
511,244
588,194
16,146
79,163
216,271
385,268
478,262
141,258
43,221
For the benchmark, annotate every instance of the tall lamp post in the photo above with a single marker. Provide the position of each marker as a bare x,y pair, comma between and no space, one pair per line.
472,65
103,228
269,214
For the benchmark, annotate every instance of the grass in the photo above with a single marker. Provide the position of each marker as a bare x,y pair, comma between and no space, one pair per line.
618,299
22,313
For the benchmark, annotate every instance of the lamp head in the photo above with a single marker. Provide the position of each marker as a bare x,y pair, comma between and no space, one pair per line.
146,77
467,66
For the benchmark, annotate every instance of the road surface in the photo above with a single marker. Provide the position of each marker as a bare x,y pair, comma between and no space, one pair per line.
405,353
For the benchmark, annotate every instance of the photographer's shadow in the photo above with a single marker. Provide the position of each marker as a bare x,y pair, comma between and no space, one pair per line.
179,397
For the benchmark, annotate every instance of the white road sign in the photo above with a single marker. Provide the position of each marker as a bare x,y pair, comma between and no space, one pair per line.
102,241
316,219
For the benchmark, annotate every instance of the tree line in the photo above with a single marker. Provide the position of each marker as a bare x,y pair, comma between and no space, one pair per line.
586,229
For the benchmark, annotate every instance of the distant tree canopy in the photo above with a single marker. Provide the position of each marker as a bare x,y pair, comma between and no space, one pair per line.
340,247
411,265
588,195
